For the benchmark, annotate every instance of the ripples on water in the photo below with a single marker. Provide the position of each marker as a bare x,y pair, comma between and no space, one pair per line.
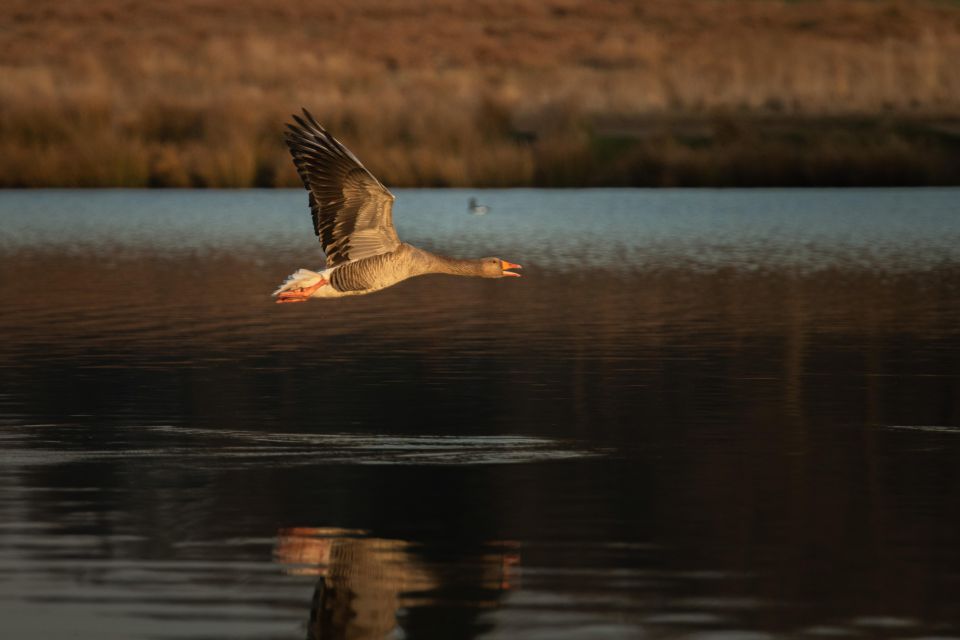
700,414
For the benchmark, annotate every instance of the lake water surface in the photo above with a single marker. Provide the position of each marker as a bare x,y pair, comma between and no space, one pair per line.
708,414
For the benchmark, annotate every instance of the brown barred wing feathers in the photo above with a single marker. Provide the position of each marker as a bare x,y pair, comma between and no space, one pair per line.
352,211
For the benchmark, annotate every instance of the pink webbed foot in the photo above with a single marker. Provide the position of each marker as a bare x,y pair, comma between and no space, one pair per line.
301,294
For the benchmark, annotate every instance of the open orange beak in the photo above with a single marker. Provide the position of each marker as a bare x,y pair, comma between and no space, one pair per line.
504,265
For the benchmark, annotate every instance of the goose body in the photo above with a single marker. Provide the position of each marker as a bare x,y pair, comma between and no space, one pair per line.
353,218
477,209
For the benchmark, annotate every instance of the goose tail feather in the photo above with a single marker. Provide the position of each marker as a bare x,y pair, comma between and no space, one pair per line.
300,278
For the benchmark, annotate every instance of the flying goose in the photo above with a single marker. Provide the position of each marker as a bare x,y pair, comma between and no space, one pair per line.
352,216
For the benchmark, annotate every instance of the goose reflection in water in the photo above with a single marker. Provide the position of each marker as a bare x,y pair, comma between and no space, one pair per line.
364,582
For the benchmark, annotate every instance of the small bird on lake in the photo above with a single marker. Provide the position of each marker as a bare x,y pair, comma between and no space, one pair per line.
477,209
353,217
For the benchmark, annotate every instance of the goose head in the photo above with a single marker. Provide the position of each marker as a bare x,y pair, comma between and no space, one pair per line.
497,268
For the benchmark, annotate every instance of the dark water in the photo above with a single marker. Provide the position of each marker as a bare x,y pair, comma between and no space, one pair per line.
700,414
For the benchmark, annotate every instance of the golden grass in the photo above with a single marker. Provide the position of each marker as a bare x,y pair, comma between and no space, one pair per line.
563,92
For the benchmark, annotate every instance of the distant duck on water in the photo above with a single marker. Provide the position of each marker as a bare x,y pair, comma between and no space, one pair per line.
477,209
353,217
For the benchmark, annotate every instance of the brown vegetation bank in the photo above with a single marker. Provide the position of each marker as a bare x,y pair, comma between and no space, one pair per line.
483,93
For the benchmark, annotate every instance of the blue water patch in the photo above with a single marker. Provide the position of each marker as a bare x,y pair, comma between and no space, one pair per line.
619,228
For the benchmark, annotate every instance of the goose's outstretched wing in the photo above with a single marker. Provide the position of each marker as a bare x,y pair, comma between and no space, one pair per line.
352,211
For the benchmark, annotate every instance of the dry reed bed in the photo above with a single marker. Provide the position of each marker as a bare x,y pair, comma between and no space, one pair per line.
194,92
